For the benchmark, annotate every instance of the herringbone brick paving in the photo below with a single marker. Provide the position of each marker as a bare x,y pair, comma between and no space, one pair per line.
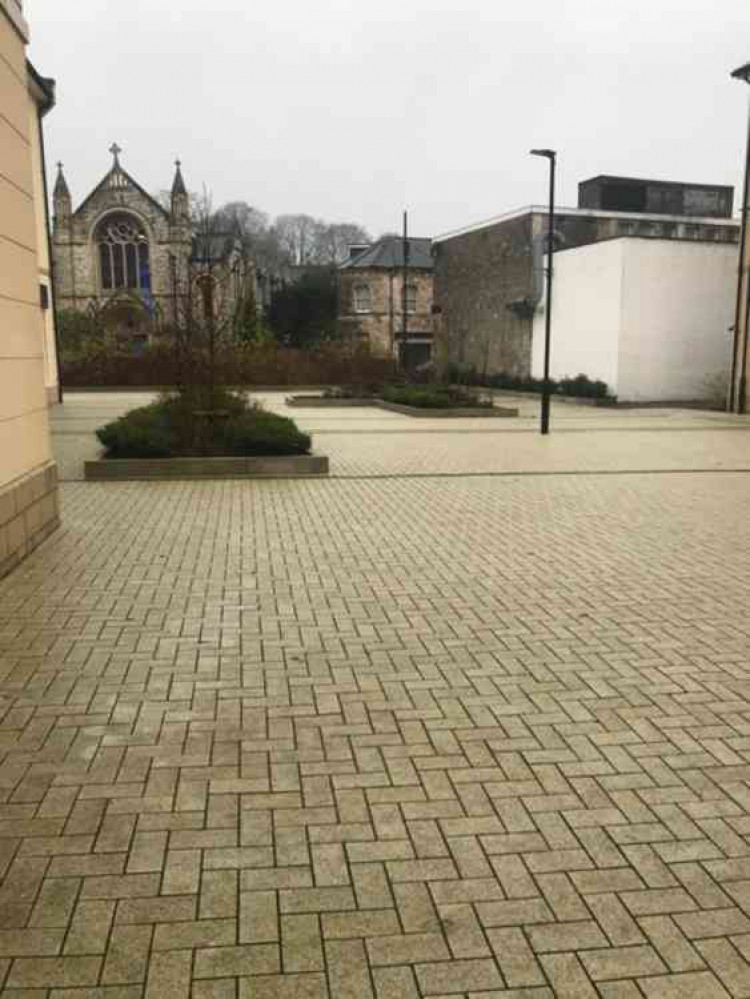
380,739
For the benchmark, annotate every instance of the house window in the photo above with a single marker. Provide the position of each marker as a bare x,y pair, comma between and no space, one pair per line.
124,260
362,298
411,298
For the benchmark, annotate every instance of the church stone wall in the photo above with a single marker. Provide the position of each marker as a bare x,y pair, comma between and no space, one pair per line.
76,259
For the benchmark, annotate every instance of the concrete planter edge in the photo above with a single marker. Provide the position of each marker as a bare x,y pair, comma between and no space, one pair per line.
175,469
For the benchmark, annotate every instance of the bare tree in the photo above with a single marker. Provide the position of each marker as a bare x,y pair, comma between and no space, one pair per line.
335,240
299,237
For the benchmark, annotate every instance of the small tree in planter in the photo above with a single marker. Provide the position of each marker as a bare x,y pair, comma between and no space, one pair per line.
210,294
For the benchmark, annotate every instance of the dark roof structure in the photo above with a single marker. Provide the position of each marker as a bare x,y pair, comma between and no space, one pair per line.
388,253
213,247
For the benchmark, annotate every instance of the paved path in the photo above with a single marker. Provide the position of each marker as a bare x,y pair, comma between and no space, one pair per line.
363,442
375,738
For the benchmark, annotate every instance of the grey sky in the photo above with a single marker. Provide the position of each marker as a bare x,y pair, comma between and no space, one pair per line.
352,110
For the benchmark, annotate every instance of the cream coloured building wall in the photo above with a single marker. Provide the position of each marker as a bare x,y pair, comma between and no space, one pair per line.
43,248
28,494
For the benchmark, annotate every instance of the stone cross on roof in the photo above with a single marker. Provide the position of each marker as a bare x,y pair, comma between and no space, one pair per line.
115,150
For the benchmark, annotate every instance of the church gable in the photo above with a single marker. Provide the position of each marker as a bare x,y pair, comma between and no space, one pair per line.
118,190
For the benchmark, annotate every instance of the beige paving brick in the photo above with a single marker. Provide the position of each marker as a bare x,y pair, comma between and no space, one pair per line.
354,925
348,970
127,954
463,932
458,976
90,927
567,977
301,944
191,935
169,975
218,895
412,948
566,936
671,944
623,962
156,910
228,962
284,987
395,983
727,964
515,957
722,922
49,972
316,900
691,985
259,917
181,872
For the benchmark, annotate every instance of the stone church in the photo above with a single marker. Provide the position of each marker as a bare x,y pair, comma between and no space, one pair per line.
124,258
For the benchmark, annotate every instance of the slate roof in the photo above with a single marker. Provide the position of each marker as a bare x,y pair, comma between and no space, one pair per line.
388,253
213,247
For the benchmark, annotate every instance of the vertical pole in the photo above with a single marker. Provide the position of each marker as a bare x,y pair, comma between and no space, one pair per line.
405,320
738,384
548,316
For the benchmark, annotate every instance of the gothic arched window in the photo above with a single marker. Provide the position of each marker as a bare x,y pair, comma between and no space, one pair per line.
123,253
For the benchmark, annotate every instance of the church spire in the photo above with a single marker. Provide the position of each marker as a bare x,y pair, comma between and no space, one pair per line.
178,185
180,199
61,185
62,202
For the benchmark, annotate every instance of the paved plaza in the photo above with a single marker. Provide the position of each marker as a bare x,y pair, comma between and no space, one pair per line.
439,726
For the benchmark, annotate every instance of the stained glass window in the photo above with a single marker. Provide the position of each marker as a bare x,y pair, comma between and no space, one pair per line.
123,253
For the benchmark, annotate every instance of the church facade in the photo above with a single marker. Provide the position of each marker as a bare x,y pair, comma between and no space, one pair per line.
130,262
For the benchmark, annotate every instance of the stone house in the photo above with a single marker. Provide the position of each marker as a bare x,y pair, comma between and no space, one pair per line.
372,304
29,509
124,257
489,278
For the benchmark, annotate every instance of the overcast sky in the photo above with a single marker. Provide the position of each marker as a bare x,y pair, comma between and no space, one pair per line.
352,110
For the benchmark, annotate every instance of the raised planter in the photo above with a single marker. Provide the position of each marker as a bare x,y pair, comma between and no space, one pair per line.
456,413
320,402
279,467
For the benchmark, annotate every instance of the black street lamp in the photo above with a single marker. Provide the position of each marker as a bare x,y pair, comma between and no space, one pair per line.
551,155
738,386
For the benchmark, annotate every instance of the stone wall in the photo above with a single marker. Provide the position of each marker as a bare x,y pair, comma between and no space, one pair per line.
29,513
77,283
477,275
381,326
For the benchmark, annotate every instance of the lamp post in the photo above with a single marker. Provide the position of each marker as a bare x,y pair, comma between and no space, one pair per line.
738,386
551,155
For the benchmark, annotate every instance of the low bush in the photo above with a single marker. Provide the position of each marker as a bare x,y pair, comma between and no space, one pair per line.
214,423
581,386
432,397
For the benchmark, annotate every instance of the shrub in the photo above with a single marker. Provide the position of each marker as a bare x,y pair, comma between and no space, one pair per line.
212,422
142,433
432,397
581,386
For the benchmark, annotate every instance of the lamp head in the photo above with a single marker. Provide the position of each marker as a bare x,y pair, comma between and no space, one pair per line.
743,73
547,154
